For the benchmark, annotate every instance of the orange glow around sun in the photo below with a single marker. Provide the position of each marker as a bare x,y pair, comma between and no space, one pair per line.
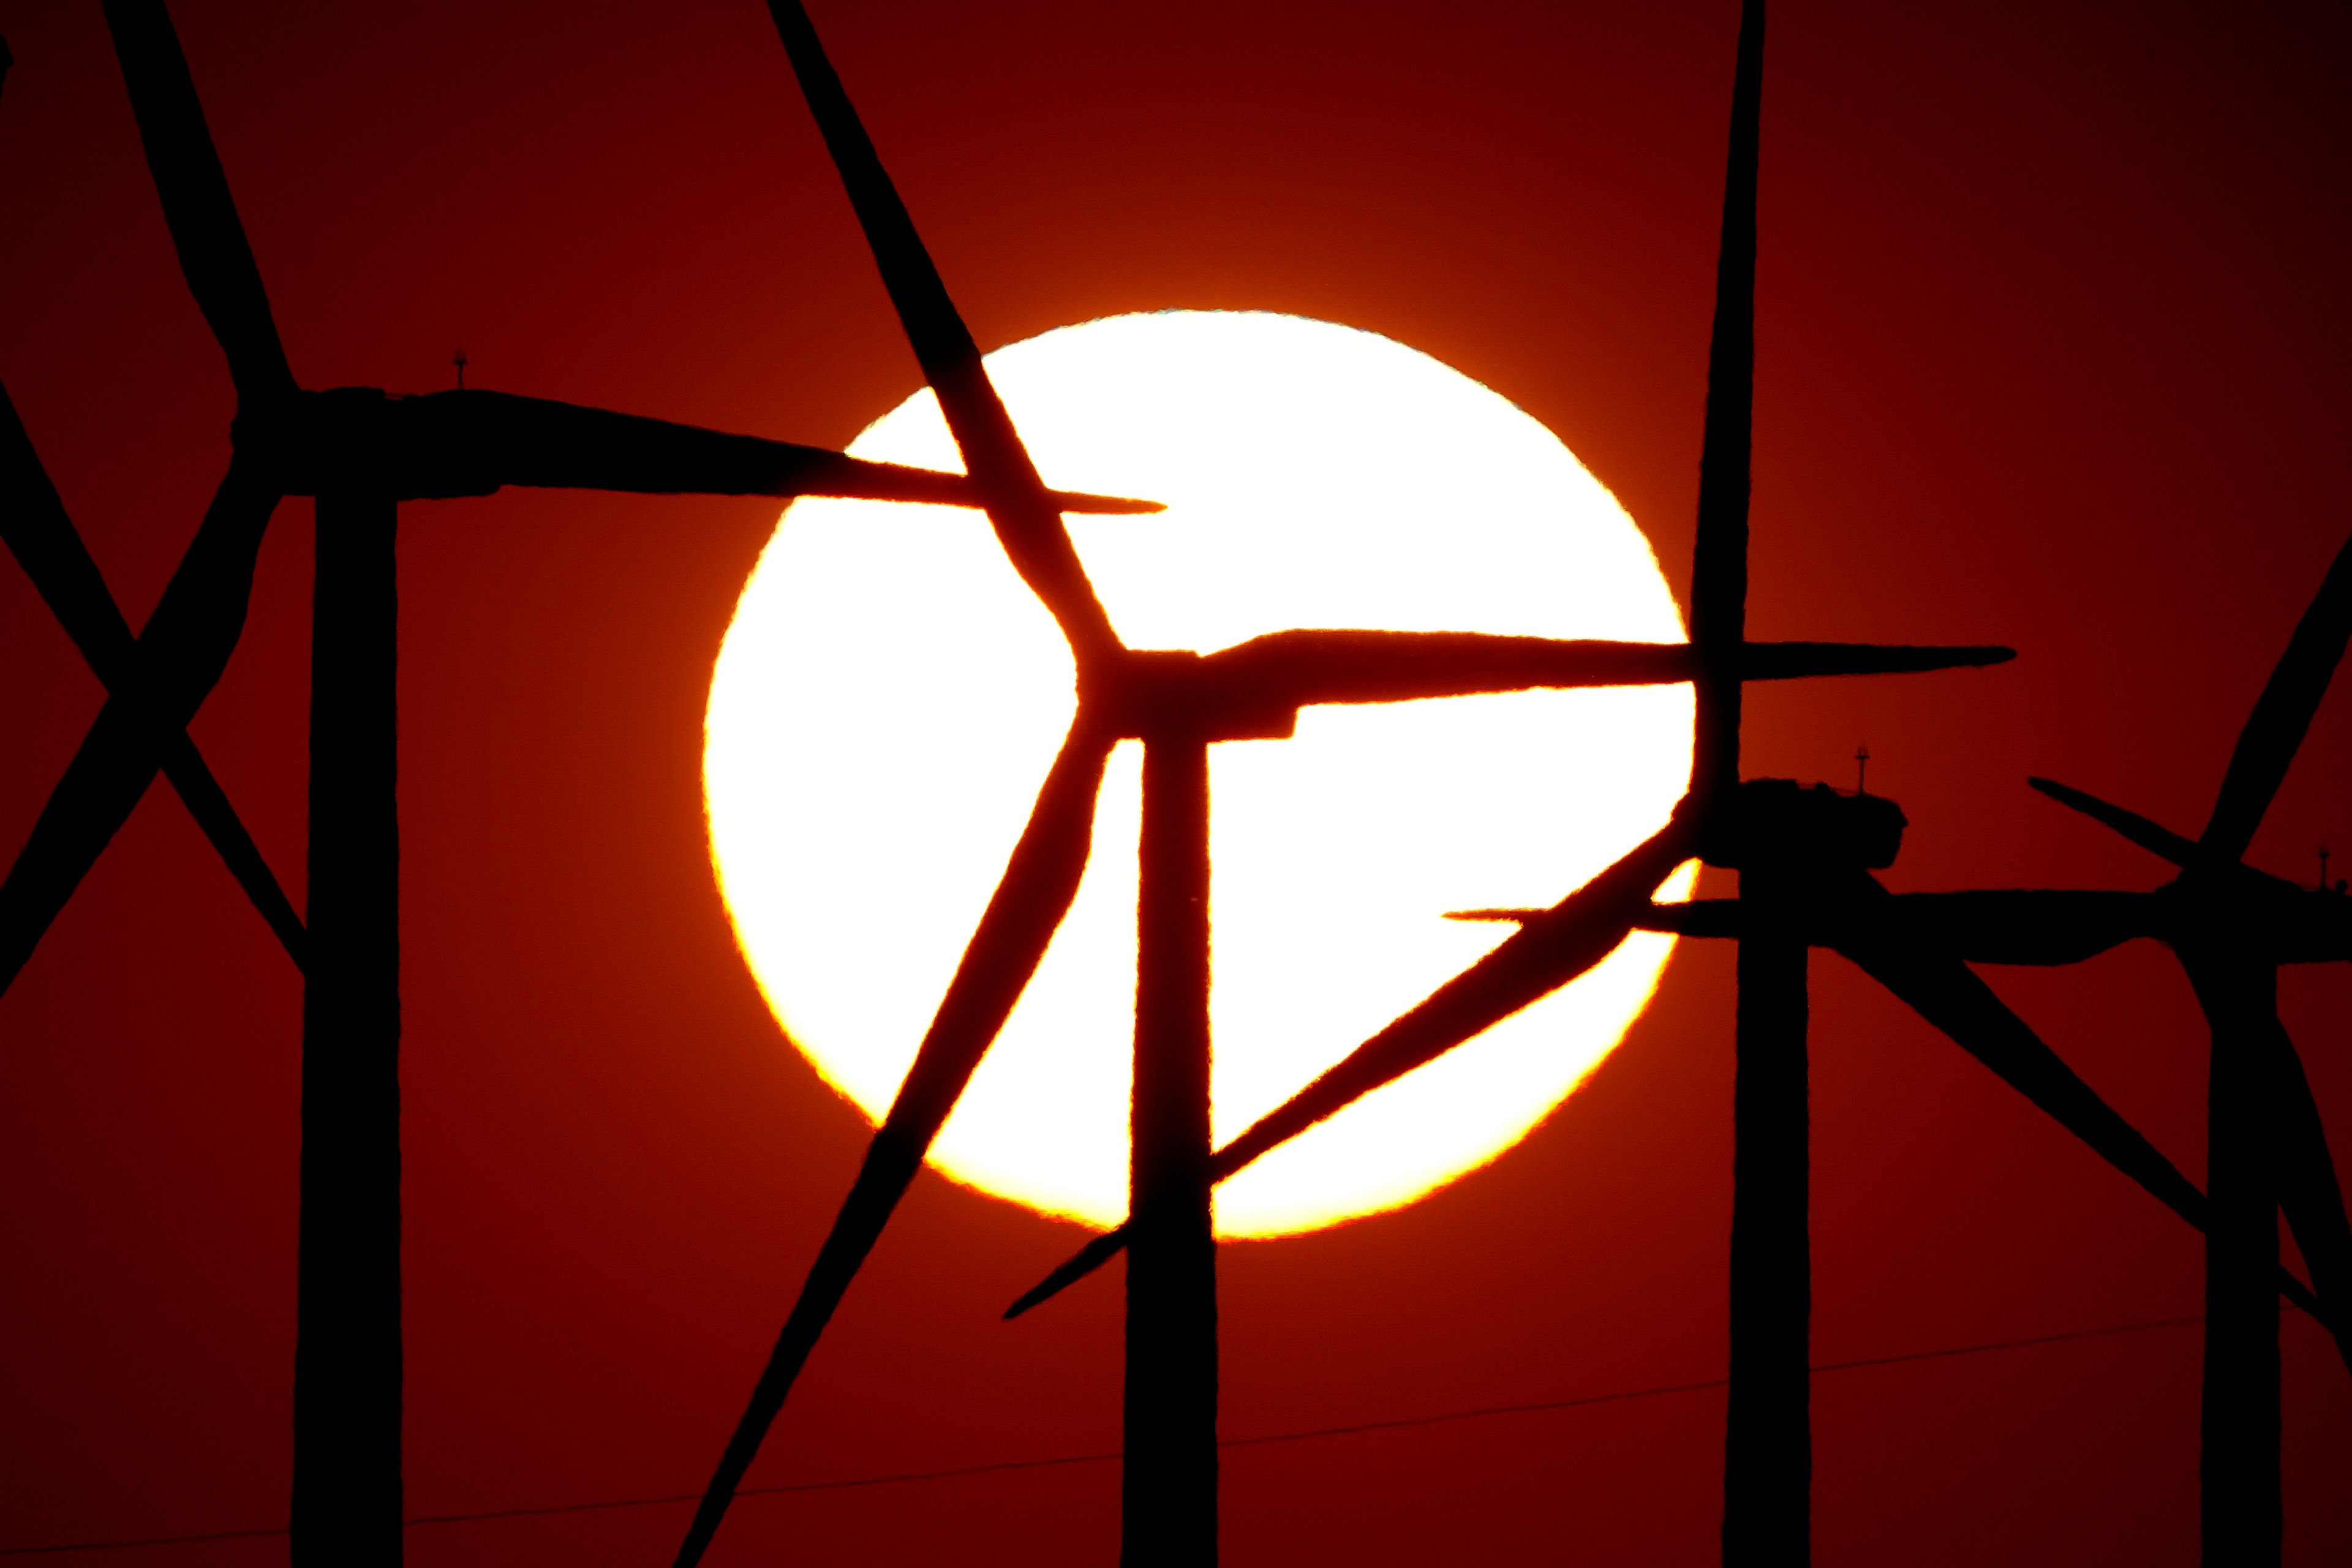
890,696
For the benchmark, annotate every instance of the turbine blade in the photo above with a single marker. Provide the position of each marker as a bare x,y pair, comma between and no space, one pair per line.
1718,592
1297,669
1949,996
214,255
1281,672
1039,883
35,527
1551,950
2311,1195
2274,730
1026,520
2158,841
201,792
1553,947
470,443
1698,917
1080,1263
1806,660
40,533
179,659
2026,925
101,785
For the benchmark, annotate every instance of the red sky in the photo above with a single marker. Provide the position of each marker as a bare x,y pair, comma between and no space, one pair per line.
2051,338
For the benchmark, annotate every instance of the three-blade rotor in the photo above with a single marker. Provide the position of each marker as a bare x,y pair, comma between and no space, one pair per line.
1556,946
2220,914
2216,914
1251,692
287,441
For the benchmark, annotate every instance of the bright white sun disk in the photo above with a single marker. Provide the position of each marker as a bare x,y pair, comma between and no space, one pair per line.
890,695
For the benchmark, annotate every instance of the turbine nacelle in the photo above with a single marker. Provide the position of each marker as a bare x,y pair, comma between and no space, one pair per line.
1773,823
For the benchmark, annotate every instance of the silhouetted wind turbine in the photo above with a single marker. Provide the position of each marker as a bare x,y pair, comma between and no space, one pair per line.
1804,856
1826,899
2232,928
1785,841
359,453
1177,703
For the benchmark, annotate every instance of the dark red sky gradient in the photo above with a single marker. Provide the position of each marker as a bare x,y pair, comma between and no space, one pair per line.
2052,351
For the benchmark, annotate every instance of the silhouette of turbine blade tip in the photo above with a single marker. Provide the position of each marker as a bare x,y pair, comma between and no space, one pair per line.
2154,837
1971,655
1092,505
2067,794
1799,660
1076,1267
482,439
1038,1295
1692,917
216,257
2070,798
2274,729
1033,536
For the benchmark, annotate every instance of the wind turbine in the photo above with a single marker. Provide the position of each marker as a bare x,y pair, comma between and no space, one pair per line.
2231,926
1797,850
1176,703
360,453
1918,946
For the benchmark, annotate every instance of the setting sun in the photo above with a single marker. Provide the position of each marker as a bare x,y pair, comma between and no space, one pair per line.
890,696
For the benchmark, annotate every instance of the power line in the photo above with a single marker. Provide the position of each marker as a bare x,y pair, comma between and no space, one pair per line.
1269,1439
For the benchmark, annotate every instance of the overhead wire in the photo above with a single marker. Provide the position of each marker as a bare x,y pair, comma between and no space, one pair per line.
1270,1440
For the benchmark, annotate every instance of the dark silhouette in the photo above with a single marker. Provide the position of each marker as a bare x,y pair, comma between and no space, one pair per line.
2232,928
36,528
1803,858
1167,1479
1821,895
1796,850
1782,833
347,1338
360,453
1177,703
41,536
1803,855
1768,1439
